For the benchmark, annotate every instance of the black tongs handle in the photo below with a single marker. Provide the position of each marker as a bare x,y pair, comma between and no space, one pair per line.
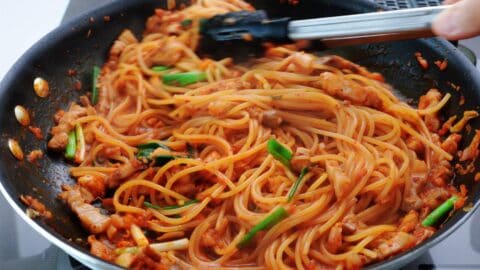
245,25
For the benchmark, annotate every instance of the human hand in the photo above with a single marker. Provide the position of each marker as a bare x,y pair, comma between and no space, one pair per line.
459,21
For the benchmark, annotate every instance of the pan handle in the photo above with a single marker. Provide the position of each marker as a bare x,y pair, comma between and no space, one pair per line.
368,27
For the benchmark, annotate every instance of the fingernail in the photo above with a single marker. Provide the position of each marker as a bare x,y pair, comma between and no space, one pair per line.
445,24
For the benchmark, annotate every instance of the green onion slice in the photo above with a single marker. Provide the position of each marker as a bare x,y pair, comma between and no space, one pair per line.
191,151
71,145
295,186
169,207
159,68
96,74
145,153
152,145
186,23
440,212
183,79
124,250
80,149
279,152
150,205
274,218
162,160
146,149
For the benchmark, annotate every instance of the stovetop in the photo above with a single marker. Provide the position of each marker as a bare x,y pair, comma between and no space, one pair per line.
461,250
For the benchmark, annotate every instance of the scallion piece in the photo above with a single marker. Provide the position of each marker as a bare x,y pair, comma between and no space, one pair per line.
146,149
186,23
169,207
295,186
80,149
275,217
138,236
162,160
152,145
440,212
96,74
132,250
191,151
180,244
183,79
150,205
279,152
159,68
71,145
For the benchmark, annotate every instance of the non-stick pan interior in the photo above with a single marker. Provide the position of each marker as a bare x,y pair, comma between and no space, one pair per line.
85,42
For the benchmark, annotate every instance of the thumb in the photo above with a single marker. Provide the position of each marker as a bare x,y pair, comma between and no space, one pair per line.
459,21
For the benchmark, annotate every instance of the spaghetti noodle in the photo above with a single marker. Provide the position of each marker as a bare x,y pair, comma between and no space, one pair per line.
288,161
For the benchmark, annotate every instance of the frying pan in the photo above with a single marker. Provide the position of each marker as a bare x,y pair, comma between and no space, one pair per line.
85,41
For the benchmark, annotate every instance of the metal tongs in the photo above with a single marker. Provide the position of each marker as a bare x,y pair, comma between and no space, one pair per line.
332,31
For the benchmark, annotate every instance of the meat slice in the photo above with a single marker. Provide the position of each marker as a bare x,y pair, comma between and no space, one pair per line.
124,39
421,61
271,119
409,222
123,171
94,184
440,173
432,122
335,240
358,94
210,238
342,63
447,125
471,152
431,98
58,141
423,233
165,22
349,227
60,131
36,131
91,218
297,62
434,196
450,145
36,205
34,156
467,116
399,242
340,181
414,186
100,249
416,145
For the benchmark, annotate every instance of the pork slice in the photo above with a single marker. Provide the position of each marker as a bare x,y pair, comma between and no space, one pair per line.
60,132
92,219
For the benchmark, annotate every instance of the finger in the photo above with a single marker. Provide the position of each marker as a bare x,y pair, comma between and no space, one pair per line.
449,2
459,21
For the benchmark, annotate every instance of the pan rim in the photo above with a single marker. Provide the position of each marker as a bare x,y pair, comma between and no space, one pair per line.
53,37
93,261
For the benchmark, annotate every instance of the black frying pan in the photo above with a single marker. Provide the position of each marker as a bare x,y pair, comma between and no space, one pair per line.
83,43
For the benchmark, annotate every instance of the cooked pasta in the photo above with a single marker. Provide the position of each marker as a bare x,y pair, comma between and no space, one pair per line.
287,161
